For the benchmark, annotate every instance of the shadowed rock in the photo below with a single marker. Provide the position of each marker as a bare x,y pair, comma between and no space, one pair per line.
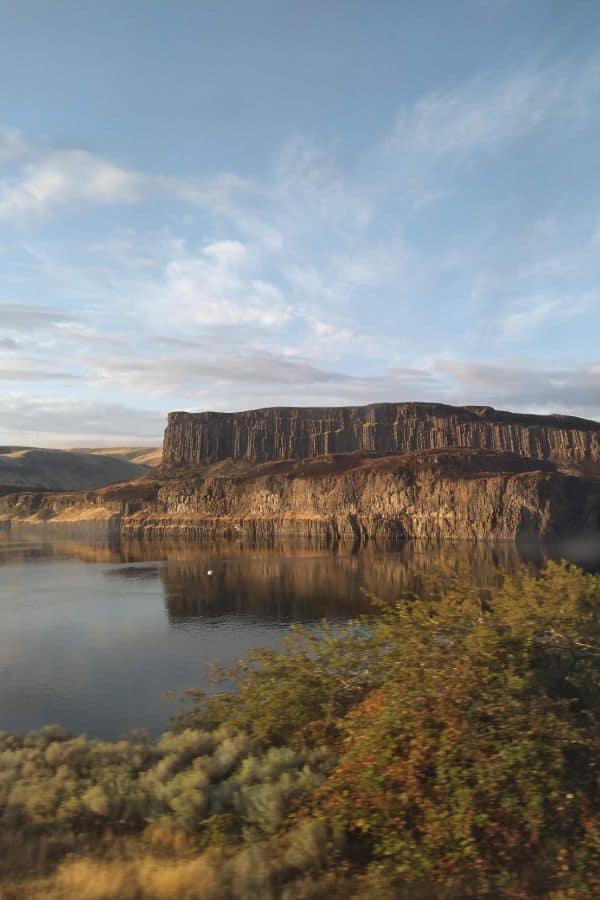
280,433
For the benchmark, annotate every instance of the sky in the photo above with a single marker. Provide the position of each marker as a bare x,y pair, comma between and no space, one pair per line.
230,204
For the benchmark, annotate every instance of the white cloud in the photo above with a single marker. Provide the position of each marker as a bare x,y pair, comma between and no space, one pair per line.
50,178
67,176
215,193
482,113
330,331
226,253
310,194
221,286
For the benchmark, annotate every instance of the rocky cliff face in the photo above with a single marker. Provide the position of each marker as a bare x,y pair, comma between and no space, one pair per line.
432,495
294,433
429,496
386,472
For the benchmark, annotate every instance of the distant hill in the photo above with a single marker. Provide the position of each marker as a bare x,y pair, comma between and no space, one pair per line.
72,470
144,456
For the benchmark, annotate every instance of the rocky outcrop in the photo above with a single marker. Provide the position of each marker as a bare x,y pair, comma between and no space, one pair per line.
432,495
282,433
78,513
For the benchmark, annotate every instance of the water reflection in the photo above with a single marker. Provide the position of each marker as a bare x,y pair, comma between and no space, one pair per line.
308,586
296,580
93,634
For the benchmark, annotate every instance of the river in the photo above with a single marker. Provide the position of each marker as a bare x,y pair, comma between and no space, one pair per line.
93,635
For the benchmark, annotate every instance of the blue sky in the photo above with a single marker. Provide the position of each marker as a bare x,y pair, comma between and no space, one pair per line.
223,205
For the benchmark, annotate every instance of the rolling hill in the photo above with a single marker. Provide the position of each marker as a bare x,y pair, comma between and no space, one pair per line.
72,470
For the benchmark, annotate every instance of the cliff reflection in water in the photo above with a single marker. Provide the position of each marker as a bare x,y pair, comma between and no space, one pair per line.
293,585
294,581
93,634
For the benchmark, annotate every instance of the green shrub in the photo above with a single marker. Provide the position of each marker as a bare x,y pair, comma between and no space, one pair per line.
446,747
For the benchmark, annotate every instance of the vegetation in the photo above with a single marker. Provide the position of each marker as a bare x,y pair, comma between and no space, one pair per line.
447,748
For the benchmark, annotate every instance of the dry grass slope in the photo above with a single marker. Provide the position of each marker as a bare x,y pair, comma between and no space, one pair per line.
144,456
72,470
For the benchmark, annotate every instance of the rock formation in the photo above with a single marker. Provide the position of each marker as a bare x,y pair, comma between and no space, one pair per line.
432,495
384,473
299,432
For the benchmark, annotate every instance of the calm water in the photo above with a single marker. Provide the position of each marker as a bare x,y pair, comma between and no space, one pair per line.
92,636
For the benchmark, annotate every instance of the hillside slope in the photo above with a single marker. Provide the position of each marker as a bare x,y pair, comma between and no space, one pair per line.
64,470
144,456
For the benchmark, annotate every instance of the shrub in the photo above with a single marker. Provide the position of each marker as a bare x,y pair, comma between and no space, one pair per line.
447,747
474,767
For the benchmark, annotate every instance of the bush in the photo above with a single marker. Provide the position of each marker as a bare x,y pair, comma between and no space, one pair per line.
447,747
475,765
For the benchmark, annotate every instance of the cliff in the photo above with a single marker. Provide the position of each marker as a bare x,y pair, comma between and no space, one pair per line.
431,495
282,433
384,473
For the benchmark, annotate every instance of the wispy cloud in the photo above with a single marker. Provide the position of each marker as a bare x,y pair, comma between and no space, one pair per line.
28,317
12,145
531,313
486,113
22,371
180,372
338,275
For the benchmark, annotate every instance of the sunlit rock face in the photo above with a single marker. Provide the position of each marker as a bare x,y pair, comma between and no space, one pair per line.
283,433
383,473
428,495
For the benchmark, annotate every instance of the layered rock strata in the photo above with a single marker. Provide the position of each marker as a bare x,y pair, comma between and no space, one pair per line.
282,433
431,495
